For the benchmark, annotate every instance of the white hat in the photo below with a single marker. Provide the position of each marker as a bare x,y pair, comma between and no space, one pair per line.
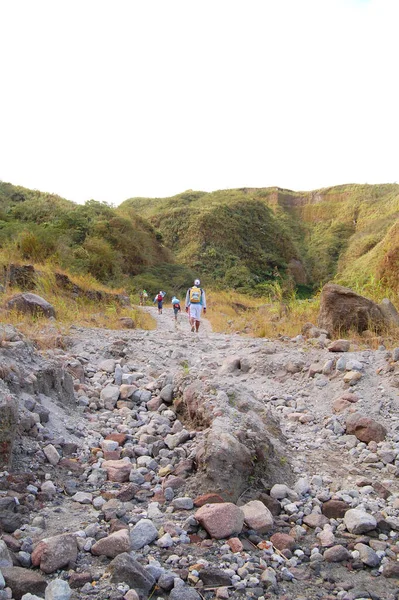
197,282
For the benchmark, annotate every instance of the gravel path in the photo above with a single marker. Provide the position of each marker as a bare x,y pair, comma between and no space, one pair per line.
166,321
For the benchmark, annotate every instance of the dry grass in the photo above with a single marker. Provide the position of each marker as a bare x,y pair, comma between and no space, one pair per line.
46,333
231,312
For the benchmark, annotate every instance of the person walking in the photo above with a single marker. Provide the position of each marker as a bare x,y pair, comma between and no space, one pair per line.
159,299
176,307
195,302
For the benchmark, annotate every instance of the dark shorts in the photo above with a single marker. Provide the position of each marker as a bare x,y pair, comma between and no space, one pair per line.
160,304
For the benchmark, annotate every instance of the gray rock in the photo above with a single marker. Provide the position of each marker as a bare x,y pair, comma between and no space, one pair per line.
166,394
5,556
367,555
107,365
183,503
8,424
23,581
58,589
143,533
31,303
118,375
358,521
51,454
125,569
184,592
109,395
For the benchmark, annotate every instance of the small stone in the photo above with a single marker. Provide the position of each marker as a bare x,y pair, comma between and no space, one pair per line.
358,521
221,520
51,454
336,554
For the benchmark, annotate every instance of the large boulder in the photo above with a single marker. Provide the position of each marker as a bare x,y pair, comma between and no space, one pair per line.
23,581
364,428
31,303
389,311
234,451
341,309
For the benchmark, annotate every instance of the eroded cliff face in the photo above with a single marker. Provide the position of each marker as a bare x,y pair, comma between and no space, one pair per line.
29,383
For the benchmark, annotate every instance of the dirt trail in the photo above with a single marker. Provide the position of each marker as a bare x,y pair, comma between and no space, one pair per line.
166,321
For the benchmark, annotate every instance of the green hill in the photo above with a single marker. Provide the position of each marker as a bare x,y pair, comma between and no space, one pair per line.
307,237
93,238
247,239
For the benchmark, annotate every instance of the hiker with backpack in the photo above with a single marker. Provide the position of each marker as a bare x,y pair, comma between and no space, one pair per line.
159,299
176,306
143,297
195,302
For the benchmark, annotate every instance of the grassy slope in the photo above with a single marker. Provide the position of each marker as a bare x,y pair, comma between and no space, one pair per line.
344,231
224,234
93,238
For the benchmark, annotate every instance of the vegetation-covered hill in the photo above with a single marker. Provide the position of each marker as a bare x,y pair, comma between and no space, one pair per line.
252,234
93,238
248,239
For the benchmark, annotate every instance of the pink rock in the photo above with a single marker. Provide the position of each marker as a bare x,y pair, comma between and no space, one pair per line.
235,544
339,346
154,403
257,516
54,553
207,499
283,541
315,520
113,544
350,397
335,509
340,404
365,428
117,437
117,470
126,390
336,554
220,520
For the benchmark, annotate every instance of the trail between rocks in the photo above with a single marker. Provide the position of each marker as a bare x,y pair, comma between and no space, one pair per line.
166,321
125,382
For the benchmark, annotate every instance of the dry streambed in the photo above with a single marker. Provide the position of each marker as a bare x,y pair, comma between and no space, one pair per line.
171,465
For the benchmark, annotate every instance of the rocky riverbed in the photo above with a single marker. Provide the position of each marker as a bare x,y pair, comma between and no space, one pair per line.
170,465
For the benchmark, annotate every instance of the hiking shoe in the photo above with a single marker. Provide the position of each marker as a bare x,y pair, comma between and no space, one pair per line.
192,329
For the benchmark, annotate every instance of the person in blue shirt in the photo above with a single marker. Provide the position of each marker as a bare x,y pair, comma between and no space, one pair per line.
195,303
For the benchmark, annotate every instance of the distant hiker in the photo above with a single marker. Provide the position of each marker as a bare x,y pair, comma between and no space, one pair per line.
143,297
159,299
176,306
195,302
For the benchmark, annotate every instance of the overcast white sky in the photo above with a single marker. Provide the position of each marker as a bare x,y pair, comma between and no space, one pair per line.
109,99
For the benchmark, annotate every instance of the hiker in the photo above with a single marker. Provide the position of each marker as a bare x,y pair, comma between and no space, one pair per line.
195,302
143,297
176,306
159,299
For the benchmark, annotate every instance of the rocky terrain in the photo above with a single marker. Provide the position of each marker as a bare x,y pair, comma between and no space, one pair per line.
170,465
